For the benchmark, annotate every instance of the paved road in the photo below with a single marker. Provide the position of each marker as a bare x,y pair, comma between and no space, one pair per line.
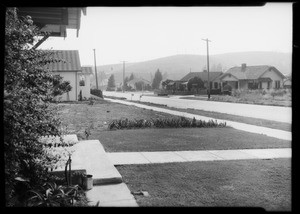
275,113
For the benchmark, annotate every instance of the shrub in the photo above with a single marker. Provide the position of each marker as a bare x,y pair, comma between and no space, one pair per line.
53,195
97,92
227,88
28,113
179,122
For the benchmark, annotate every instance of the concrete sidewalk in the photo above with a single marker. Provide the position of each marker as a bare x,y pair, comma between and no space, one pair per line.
108,187
125,158
280,134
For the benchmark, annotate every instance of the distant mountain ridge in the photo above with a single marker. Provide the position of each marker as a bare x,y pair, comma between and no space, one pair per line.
177,66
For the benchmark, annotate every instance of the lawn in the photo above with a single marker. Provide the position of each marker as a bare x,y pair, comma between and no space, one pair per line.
264,183
182,139
80,116
242,183
223,116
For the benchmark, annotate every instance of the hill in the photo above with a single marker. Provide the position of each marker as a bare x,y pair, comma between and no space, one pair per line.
177,66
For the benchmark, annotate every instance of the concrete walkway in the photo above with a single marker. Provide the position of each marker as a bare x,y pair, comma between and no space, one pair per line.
284,135
108,187
125,158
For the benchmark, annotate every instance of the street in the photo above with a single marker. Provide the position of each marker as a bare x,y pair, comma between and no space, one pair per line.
275,113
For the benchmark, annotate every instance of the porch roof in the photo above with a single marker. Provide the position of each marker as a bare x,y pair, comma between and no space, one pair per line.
202,75
54,19
265,79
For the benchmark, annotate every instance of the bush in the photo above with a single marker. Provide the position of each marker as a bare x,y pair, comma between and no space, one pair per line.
180,122
52,195
97,92
215,91
227,88
28,113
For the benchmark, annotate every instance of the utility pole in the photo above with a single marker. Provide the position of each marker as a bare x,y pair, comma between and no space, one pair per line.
207,67
123,75
96,69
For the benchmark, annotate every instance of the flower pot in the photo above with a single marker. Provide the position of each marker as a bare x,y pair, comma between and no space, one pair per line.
87,182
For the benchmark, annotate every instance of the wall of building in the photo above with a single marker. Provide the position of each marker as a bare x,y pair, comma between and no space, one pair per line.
71,95
274,76
243,84
86,89
264,85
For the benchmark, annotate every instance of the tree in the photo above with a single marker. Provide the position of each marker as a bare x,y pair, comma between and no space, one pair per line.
131,77
28,114
195,83
157,79
111,82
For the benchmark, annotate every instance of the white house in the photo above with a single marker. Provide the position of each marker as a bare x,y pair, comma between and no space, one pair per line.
70,69
253,77
85,81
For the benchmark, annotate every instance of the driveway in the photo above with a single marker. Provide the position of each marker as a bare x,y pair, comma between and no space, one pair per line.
275,113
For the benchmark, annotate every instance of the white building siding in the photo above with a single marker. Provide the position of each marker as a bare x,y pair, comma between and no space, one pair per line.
86,89
274,76
70,77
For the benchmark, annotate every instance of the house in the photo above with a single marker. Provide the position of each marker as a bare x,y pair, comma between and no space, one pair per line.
70,69
213,78
84,78
287,83
253,77
174,85
55,20
139,84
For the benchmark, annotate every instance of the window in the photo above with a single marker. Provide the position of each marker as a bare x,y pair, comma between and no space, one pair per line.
215,85
236,85
277,84
81,80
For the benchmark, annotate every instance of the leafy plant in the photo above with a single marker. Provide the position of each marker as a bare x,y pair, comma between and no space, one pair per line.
28,114
179,122
53,195
97,92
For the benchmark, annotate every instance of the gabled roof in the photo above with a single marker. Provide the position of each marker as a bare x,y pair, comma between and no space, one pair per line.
251,72
70,60
202,75
87,70
135,80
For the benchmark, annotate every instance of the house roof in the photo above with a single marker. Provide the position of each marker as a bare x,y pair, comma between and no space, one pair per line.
135,80
70,60
54,19
202,75
87,70
250,73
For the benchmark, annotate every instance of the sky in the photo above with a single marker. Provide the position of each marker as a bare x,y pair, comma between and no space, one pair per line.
135,34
